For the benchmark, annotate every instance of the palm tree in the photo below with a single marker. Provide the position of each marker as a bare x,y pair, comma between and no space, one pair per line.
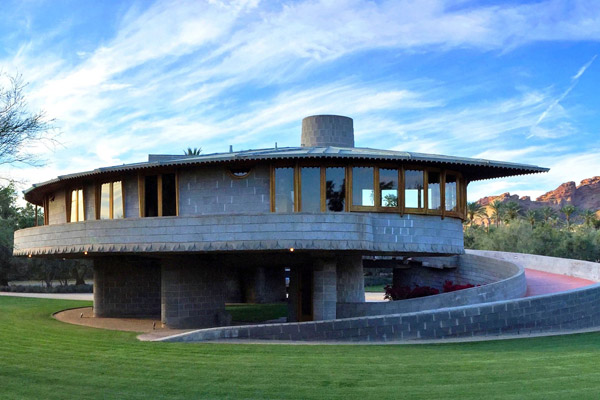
497,208
568,210
547,213
512,209
475,210
531,216
589,218
193,152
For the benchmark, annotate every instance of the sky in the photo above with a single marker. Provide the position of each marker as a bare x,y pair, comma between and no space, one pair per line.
504,80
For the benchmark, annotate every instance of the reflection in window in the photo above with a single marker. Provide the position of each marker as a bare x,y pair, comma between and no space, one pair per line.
310,179
413,192
363,193
450,187
434,198
388,186
111,200
284,190
335,188
77,212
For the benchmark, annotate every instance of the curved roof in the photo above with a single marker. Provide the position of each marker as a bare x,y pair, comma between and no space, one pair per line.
472,168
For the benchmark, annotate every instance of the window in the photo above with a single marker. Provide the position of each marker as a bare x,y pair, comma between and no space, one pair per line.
159,195
451,192
434,195
388,187
335,189
310,184
414,189
111,200
363,193
284,190
76,206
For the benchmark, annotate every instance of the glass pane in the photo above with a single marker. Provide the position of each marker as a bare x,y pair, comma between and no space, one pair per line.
151,196
105,201
310,180
284,190
451,192
80,205
74,206
362,186
335,188
413,192
169,195
117,200
434,198
388,186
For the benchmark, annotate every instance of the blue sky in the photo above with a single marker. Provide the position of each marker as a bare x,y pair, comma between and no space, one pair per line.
513,81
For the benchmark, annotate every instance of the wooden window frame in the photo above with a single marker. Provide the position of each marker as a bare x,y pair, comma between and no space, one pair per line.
442,199
159,194
111,199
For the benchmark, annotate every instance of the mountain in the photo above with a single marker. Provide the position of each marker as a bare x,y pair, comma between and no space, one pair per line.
585,196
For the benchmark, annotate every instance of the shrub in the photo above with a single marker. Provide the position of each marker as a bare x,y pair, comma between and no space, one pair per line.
449,286
405,292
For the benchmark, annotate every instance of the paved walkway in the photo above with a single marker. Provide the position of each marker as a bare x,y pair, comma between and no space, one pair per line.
539,282
60,296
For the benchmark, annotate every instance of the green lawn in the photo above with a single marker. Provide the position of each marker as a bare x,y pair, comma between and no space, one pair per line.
257,312
375,288
41,358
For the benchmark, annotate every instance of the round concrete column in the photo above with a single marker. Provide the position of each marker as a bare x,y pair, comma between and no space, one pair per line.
327,130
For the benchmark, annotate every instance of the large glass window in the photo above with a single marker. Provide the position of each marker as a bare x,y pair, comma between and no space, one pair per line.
413,189
160,195
284,190
451,192
363,193
77,206
434,195
335,188
310,179
111,200
388,187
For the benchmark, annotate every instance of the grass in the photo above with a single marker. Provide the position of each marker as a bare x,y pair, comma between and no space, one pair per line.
256,312
375,288
41,358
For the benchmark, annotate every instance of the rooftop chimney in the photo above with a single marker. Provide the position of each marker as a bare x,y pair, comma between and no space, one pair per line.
327,130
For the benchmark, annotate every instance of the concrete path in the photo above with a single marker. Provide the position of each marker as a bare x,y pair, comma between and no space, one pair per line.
60,296
539,282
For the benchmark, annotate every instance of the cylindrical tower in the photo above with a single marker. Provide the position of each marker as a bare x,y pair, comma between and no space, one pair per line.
327,130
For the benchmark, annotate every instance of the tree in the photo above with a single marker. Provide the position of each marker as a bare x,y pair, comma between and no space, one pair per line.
547,213
511,210
497,208
589,218
19,128
568,210
193,152
475,210
531,216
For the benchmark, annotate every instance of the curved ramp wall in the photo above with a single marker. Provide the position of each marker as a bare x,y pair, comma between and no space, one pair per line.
571,310
369,232
500,280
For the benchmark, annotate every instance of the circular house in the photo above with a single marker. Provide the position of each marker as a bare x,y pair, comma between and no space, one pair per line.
180,235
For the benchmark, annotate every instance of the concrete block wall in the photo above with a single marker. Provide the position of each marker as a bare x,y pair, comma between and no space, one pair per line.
350,279
130,191
126,287
57,213
500,279
89,198
324,289
212,190
192,293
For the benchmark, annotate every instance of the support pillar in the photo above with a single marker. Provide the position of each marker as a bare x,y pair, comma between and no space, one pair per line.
192,294
126,287
350,279
325,289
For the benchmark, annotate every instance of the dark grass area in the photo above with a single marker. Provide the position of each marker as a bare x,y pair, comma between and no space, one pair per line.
375,288
41,358
256,312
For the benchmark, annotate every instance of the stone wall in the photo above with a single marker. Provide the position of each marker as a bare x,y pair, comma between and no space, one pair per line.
212,190
500,280
350,279
132,202
57,213
126,287
368,232
325,290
